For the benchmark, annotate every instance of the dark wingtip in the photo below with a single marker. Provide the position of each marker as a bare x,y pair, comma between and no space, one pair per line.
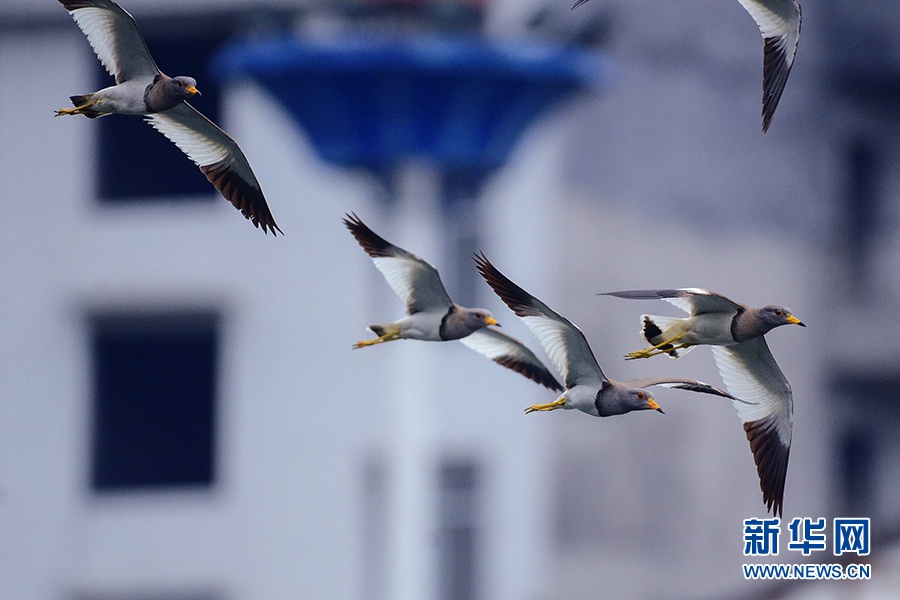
517,299
266,226
767,120
243,196
374,245
771,458
536,374
776,70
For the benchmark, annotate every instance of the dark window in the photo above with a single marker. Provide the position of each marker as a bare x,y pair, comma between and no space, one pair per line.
857,460
862,208
154,381
136,162
866,444
459,514
463,224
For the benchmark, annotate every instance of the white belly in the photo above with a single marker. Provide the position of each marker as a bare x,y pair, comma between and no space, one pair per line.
713,329
126,98
421,326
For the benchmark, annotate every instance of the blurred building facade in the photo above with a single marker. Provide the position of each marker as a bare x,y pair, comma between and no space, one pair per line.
285,465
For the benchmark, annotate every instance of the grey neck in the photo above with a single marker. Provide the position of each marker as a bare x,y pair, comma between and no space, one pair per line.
452,326
157,97
747,325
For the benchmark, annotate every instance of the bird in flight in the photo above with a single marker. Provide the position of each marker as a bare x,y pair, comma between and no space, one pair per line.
779,23
432,316
587,388
736,333
142,89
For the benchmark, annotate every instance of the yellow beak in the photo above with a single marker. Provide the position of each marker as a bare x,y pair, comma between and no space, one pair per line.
193,90
652,404
794,320
492,321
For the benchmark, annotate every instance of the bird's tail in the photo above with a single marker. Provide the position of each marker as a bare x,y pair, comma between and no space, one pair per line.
655,327
386,333
84,105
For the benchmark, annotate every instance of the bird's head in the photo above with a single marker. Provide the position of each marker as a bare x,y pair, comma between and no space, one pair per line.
478,318
642,400
775,316
183,86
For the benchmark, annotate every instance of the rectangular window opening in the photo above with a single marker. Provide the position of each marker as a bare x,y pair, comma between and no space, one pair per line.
154,400
136,163
866,444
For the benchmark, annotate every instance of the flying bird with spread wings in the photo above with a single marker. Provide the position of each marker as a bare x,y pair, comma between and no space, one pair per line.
587,388
432,316
142,89
736,333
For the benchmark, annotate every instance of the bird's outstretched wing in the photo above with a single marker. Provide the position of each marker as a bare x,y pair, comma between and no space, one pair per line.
416,282
563,342
779,23
512,354
114,36
750,372
220,159
695,301
692,385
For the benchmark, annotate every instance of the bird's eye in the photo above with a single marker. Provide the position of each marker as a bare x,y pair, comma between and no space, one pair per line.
778,313
640,395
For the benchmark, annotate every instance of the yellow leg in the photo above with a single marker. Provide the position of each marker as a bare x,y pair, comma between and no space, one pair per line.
656,350
551,406
75,110
387,337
